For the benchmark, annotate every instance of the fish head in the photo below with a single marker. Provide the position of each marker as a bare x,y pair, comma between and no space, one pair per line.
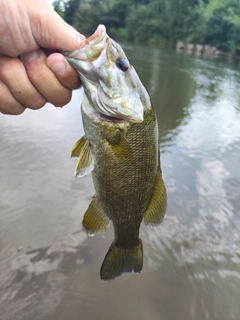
111,84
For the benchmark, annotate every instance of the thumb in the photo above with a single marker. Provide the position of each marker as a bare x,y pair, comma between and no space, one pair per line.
51,31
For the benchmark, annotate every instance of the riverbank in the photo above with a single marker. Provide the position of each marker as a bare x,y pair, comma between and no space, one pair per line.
205,50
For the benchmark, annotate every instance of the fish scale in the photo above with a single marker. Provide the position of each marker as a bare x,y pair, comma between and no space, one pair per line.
121,149
124,189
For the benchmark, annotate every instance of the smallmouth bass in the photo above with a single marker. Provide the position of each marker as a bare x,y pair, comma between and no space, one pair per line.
120,148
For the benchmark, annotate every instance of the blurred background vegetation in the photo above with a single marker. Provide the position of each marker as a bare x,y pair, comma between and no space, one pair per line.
207,22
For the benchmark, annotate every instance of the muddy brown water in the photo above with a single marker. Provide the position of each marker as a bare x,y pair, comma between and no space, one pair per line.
49,267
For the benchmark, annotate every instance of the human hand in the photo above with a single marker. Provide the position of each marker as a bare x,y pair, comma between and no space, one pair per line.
26,27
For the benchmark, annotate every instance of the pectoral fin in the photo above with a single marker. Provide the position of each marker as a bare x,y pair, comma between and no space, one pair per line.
95,220
121,149
157,207
82,151
77,149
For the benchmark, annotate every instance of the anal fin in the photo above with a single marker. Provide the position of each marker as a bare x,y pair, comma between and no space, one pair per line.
119,260
82,151
157,206
95,220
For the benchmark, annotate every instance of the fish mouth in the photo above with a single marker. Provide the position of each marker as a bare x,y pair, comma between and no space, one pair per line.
118,119
106,86
110,118
93,48
120,108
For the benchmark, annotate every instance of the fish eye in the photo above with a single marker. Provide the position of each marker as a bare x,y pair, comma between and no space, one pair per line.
122,64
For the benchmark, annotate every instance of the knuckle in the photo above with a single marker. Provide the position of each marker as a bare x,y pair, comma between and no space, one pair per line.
65,99
38,103
4,92
8,104
70,81
39,76
37,71
7,65
11,107
17,110
13,111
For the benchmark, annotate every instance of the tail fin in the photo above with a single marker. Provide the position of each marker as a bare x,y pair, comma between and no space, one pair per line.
120,260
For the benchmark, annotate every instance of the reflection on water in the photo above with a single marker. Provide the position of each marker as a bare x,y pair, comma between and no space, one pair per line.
48,265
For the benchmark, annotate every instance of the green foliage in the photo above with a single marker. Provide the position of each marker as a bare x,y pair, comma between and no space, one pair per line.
86,18
71,8
121,33
59,7
223,24
66,9
213,22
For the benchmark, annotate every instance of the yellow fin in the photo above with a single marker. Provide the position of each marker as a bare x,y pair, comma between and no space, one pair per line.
122,150
157,207
120,260
77,149
82,151
95,220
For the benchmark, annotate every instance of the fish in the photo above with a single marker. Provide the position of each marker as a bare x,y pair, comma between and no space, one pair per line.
120,148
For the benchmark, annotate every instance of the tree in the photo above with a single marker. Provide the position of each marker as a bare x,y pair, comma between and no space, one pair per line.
223,24
89,16
66,9
71,8
213,22
59,7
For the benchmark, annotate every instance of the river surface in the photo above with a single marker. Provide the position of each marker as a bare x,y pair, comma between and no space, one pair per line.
49,267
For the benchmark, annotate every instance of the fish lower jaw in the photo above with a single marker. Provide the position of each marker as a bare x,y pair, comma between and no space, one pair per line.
118,119
110,118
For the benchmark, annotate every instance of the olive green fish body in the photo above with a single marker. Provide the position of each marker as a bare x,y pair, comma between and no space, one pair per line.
123,183
120,148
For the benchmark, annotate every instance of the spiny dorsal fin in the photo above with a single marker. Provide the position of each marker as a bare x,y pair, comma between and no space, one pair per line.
82,151
120,260
157,207
95,220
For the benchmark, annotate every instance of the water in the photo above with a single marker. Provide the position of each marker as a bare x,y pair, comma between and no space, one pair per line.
49,267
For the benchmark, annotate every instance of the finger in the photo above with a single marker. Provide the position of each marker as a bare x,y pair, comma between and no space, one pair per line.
13,74
65,74
51,31
8,104
44,80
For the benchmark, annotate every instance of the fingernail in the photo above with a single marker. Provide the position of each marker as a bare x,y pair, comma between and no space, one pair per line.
30,56
59,67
